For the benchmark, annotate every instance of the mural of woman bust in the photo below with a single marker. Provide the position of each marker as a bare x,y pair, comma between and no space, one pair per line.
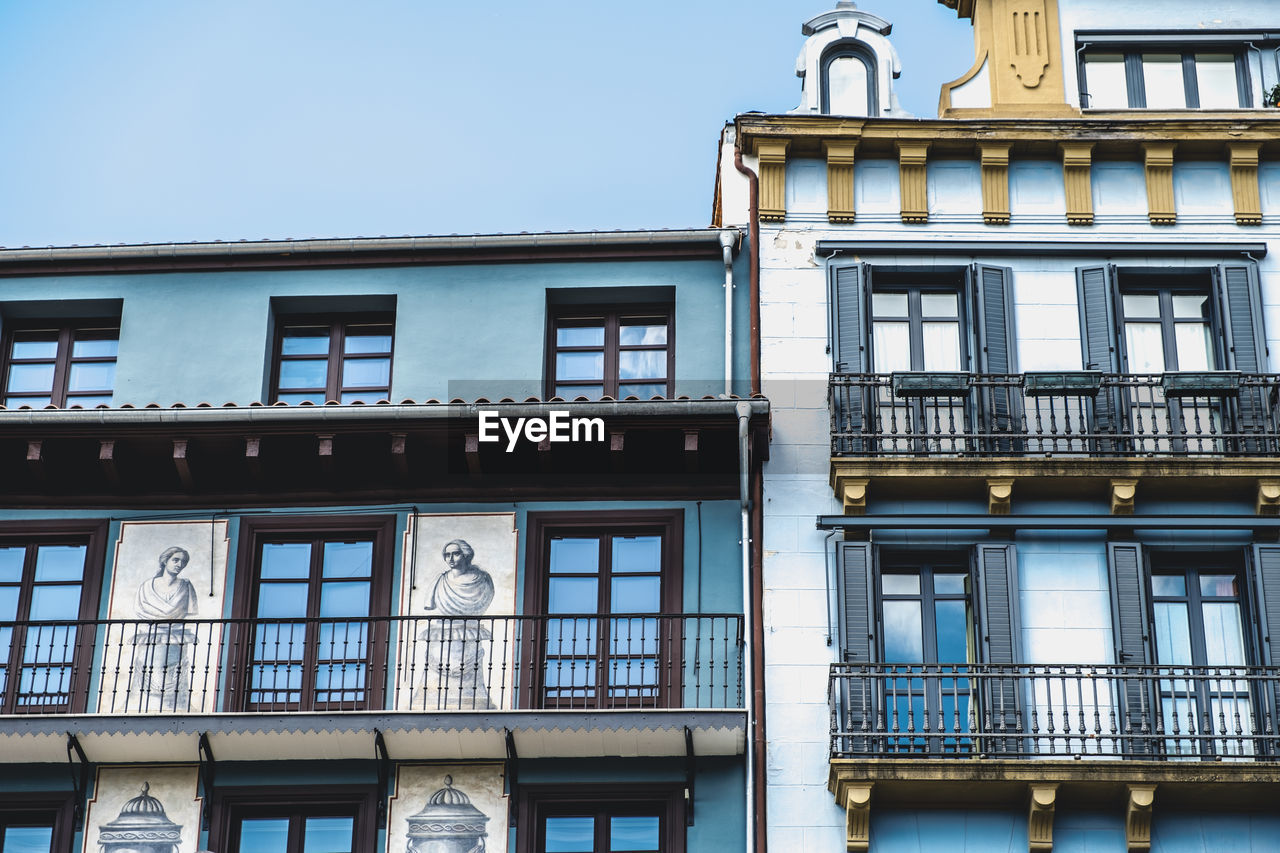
160,650
454,676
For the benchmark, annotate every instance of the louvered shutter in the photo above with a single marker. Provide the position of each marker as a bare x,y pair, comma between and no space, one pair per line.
998,404
1266,562
1241,305
849,346
860,690
1098,341
1132,646
998,611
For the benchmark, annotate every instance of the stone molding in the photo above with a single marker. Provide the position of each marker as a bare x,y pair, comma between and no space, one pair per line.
995,182
1077,178
913,159
1157,158
840,156
1243,159
773,179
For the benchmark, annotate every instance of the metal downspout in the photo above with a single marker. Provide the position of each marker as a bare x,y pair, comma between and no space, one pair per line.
727,241
748,615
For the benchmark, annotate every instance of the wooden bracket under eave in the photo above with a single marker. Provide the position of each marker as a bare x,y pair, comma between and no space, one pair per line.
1123,491
839,179
913,181
1137,818
1077,171
1158,160
999,495
995,182
1040,818
853,496
1244,182
857,817
1268,497
181,462
773,179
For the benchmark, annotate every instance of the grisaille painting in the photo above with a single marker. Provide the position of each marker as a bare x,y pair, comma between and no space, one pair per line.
455,651
151,808
157,658
447,808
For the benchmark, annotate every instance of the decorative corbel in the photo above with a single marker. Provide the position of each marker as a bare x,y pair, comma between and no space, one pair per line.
995,182
1268,497
1244,182
853,496
857,818
1040,819
1077,166
913,181
773,179
999,495
1158,158
839,180
1137,818
1123,491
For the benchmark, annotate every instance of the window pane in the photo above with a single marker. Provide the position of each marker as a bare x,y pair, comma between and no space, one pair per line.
939,305
1168,585
941,346
847,86
30,377
101,348
952,631
347,398
314,341
347,560
60,603
286,560
575,555
282,600
316,397
1216,78
889,304
88,401
358,343
903,636
1194,346
1141,306
944,584
1193,306
891,347
1173,636
571,366
570,834
900,584
366,372
264,835
637,553
35,349
1145,347
8,606
94,376
638,334
303,373
28,839
328,835
569,392
344,598
633,833
580,336
11,560
636,595
1219,585
642,364
1223,635
572,595
642,390
1162,76
1104,74
60,562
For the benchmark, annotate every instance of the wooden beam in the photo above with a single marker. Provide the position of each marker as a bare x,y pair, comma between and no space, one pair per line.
252,456
324,449
691,450
180,462
544,454
617,444
473,453
35,458
107,459
400,454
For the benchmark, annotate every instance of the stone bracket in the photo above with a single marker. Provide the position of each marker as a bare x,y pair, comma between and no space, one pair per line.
1244,182
773,179
853,496
1158,159
999,495
995,182
857,818
839,180
1137,818
1123,490
1077,165
913,158
1040,817
1268,497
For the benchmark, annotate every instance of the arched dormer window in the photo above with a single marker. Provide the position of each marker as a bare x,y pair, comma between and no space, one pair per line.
849,81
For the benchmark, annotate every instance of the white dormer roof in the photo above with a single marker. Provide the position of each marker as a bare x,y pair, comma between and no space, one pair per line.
847,25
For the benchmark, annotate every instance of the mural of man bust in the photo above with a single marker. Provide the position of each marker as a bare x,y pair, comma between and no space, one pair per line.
455,646
463,590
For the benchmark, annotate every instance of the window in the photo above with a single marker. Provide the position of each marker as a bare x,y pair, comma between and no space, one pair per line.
604,579
35,823
848,81
46,584
1167,328
295,821
1171,76
314,596
640,819
597,353
67,365
916,328
322,358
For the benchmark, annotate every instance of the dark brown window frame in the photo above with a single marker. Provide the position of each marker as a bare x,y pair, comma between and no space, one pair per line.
62,805
337,324
64,331
230,804
540,801
92,534
570,316
542,526
256,530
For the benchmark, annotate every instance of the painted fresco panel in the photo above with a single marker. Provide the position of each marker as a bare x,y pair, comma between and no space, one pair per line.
455,651
122,816
440,808
162,650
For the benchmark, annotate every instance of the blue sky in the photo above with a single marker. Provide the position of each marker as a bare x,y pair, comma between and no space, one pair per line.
150,121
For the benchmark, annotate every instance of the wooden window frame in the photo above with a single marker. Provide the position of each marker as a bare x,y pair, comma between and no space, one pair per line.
537,802
570,316
93,535
541,527
337,325
20,804
65,333
256,531
231,804
1135,81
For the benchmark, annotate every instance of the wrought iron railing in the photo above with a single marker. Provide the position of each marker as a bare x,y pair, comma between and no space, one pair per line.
412,663
1083,413
1150,713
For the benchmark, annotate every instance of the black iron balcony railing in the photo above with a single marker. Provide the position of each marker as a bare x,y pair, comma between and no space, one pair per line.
1084,413
1150,713
423,664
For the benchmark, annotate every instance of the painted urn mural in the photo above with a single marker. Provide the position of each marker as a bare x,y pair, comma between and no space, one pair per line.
449,823
142,827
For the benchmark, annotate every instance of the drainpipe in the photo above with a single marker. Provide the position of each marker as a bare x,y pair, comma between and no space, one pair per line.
753,234
748,615
727,241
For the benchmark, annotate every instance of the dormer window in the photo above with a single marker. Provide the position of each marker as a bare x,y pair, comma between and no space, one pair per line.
1165,72
848,81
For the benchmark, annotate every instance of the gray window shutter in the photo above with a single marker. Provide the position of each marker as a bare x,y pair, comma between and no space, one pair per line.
1094,292
997,573
1132,646
996,349
860,690
1241,302
1266,562
849,284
